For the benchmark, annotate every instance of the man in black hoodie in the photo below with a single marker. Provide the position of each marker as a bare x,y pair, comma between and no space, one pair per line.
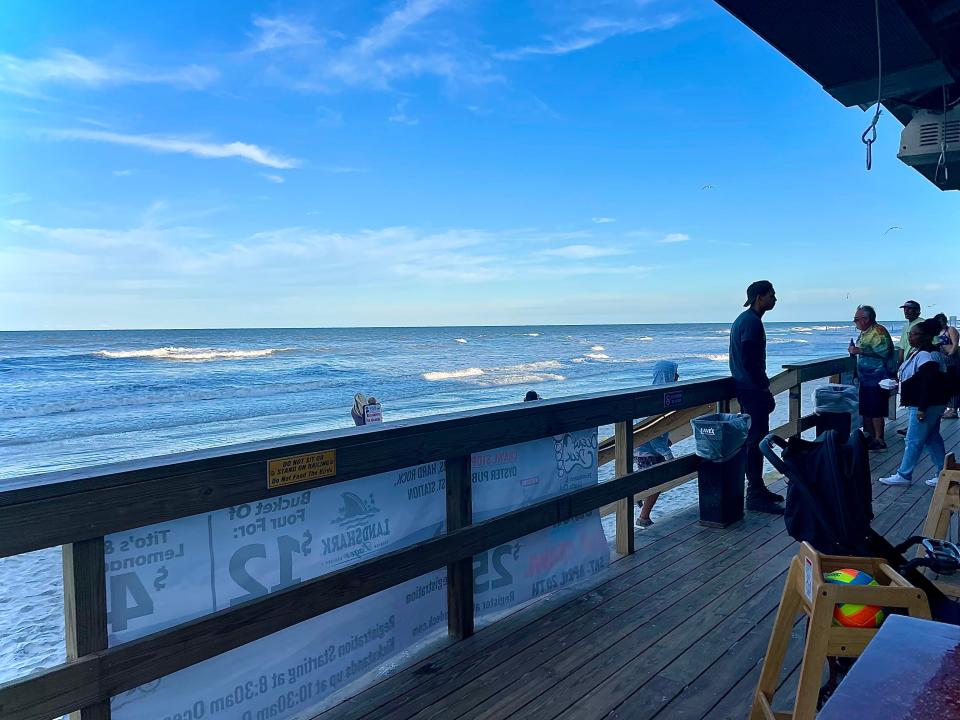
748,365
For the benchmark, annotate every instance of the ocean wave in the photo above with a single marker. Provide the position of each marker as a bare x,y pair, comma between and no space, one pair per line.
462,341
784,341
716,357
506,375
598,356
159,397
801,329
642,338
531,334
520,379
189,354
598,348
452,374
823,328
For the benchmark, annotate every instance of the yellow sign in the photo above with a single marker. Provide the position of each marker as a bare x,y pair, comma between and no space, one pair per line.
301,468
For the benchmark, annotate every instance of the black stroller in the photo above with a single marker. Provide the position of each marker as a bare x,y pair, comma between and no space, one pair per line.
830,505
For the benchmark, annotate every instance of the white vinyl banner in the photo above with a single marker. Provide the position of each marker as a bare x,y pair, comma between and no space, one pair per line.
169,573
288,674
512,477
166,574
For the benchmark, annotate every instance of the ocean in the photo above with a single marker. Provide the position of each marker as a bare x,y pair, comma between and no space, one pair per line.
83,398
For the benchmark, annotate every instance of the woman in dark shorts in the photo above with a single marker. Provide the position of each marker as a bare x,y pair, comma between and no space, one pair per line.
876,361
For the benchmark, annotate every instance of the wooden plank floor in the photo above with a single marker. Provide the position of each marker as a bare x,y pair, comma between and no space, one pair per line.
677,630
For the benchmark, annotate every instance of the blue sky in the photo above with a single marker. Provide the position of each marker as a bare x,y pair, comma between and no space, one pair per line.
248,164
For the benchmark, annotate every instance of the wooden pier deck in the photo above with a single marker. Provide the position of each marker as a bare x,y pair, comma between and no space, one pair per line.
677,630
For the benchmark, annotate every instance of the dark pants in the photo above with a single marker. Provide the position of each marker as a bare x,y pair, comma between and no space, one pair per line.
758,404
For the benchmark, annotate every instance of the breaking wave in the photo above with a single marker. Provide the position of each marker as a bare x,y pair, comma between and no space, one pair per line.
462,341
598,356
506,375
598,348
452,374
189,354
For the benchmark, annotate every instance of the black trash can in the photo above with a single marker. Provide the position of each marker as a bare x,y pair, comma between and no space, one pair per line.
721,486
719,440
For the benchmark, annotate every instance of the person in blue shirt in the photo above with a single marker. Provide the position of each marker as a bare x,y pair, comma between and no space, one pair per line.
657,450
748,365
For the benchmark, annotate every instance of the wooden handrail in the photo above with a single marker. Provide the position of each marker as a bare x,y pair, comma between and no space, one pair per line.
92,503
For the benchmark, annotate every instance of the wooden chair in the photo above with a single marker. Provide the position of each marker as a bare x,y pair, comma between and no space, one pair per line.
944,503
806,591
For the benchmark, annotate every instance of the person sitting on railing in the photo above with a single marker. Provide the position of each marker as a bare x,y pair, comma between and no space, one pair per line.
365,410
657,450
748,365
924,389
876,361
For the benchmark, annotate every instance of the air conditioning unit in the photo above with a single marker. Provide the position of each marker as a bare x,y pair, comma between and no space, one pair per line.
927,137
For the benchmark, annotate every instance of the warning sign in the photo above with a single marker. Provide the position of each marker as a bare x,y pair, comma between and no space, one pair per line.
301,468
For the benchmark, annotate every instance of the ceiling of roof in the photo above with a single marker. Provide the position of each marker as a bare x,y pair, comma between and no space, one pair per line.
835,42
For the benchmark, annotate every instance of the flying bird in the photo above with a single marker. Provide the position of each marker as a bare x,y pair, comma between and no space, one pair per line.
892,227
707,187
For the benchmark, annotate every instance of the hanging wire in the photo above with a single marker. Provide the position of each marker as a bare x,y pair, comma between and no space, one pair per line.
872,128
942,160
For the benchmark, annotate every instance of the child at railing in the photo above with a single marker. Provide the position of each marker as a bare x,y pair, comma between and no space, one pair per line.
657,450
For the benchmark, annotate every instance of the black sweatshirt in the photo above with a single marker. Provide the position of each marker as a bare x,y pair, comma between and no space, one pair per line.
748,352
922,382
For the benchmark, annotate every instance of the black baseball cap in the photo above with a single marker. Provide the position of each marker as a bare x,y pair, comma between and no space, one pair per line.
911,304
756,289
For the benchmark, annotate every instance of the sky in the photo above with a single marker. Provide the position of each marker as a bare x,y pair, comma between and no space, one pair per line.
431,162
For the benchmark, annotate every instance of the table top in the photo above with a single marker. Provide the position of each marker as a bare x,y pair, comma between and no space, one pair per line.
911,669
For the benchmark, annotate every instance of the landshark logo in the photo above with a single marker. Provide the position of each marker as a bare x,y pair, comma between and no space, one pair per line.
359,532
573,452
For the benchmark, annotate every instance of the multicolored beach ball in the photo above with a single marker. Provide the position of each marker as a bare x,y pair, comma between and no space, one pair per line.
850,614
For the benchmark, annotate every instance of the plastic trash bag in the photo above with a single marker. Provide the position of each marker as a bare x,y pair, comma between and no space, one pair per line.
837,399
719,436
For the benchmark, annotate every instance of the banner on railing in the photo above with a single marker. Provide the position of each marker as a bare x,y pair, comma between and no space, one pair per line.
166,574
169,573
517,476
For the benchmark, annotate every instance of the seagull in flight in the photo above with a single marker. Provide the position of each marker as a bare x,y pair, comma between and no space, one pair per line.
892,227
707,187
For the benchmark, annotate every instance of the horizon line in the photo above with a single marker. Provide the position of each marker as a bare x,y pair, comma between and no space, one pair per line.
412,327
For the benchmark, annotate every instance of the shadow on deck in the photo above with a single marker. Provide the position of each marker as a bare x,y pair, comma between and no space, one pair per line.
677,630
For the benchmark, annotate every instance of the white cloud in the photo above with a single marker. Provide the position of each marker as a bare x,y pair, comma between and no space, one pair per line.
590,32
123,173
603,220
674,238
400,115
282,32
581,252
403,44
277,179
15,198
63,67
188,146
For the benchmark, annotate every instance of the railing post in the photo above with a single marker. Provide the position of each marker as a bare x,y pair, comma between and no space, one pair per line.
459,574
85,609
623,436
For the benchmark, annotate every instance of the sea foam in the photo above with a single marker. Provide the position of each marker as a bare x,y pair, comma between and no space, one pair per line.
190,354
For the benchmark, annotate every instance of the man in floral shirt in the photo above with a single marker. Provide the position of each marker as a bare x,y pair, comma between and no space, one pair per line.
876,361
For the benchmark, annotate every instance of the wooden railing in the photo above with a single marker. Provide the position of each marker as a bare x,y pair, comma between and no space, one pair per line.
77,509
